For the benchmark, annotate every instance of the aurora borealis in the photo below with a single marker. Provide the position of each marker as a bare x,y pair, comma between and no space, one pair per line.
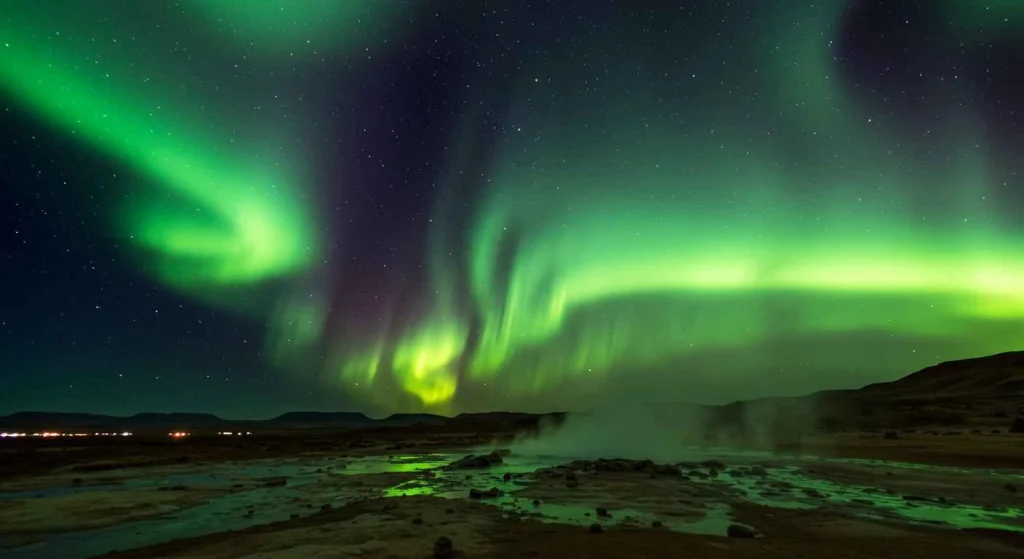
411,205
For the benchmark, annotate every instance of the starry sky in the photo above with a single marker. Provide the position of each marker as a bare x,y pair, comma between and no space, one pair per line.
249,207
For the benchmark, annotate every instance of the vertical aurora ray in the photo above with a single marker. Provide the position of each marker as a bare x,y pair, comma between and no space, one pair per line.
216,210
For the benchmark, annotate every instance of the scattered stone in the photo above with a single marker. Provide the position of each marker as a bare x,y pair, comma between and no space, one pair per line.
536,502
603,512
506,477
891,435
595,528
444,548
758,471
741,531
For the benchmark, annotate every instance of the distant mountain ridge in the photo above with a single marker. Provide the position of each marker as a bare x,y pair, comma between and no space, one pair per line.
937,394
35,421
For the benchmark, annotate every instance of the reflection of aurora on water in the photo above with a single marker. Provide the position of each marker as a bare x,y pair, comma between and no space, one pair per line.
669,214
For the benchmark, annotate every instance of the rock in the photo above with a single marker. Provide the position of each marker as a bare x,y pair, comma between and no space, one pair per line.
506,477
656,524
294,516
712,465
1018,424
275,482
492,493
891,435
665,470
325,508
178,488
758,471
481,461
417,520
1011,487
449,511
602,512
595,528
741,531
571,480
996,431
76,481
444,548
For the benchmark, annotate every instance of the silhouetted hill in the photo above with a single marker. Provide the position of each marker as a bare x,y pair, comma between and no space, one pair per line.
193,420
998,376
320,419
405,419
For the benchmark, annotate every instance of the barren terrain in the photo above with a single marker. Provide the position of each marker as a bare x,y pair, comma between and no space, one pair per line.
578,487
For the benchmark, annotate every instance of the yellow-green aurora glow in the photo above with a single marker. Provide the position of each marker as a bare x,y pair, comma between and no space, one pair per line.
633,222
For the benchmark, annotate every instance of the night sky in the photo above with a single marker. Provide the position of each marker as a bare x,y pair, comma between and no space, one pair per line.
251,207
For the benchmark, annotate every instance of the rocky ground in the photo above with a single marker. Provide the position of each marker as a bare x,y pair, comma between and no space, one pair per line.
901,494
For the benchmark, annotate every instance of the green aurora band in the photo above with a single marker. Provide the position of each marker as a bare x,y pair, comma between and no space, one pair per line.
206,215
673,230
627,224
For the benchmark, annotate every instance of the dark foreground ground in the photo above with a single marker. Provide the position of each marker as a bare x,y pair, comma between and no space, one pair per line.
393,493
